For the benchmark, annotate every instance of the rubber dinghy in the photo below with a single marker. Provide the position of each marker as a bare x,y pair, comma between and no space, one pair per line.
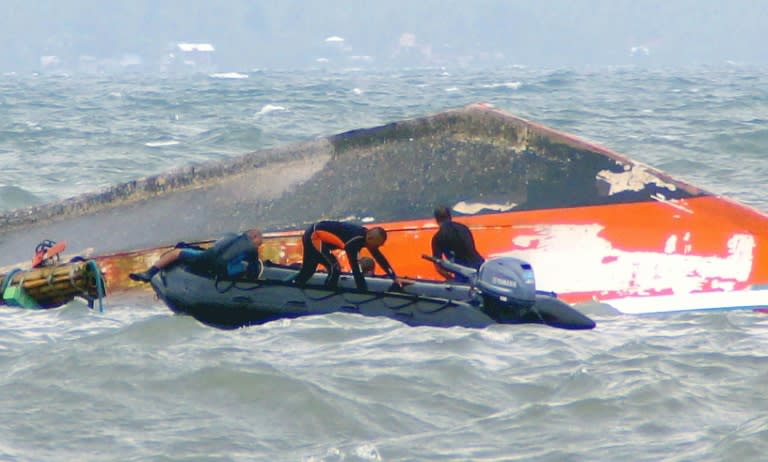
503,291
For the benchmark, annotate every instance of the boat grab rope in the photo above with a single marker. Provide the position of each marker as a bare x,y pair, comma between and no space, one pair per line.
375,296
98,282
216,281
233,284
332,294
100,292
246,279
410,299
7,280
447,304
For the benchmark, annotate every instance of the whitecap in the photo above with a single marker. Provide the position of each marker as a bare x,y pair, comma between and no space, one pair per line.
503,336
368,452
270,108
228,75
161,143
510,85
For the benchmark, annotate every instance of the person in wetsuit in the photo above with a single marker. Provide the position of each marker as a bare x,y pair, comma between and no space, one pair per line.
232,256
324,236
454,241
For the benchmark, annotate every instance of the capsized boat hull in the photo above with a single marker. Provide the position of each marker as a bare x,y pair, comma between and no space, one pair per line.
227,304
596,225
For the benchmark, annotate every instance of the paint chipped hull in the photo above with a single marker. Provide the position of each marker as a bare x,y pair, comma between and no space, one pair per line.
596,225
643,257
646,257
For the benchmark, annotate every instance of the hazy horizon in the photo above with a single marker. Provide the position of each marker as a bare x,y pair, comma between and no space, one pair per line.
143,35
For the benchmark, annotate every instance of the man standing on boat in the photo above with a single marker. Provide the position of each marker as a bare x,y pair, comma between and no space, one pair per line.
324,236
230,257
454,241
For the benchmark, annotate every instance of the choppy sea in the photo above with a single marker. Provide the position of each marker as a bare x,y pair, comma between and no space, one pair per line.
137,383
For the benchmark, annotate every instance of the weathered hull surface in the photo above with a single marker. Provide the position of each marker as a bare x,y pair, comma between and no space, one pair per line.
595,224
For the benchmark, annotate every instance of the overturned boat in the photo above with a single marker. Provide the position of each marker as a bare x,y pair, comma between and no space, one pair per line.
597,225
51,283
503,291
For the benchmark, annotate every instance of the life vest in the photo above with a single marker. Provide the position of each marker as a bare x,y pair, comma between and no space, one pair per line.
229,255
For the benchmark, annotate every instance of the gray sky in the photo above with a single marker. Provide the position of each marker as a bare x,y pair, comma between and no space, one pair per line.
250,34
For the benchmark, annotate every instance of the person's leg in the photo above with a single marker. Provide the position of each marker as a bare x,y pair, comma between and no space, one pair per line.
168,258
165,260
309,262
332,266
196,260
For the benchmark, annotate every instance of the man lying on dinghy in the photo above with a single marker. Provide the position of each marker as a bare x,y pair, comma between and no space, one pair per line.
324,236
231,256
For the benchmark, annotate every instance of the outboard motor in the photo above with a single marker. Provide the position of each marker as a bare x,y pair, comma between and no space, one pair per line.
505,289
509,280
508,290
505,285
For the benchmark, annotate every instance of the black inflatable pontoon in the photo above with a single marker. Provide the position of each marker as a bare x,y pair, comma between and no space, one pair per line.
502,291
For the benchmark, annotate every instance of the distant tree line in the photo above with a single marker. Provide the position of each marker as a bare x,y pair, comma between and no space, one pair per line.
271,33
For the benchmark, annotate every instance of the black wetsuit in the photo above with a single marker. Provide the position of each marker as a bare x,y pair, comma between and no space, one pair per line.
231,256
353,237
454,241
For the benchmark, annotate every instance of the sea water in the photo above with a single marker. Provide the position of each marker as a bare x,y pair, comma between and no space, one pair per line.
138,383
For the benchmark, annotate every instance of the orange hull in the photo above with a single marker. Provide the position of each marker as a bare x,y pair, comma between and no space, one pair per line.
611,252
604,253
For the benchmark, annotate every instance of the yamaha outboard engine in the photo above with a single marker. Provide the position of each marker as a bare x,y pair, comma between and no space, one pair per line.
505,289
508,289
509,280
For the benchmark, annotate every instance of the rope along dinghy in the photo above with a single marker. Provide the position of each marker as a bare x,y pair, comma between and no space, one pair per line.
501,292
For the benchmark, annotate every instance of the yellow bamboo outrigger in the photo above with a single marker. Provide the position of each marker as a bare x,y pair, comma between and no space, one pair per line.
50,283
